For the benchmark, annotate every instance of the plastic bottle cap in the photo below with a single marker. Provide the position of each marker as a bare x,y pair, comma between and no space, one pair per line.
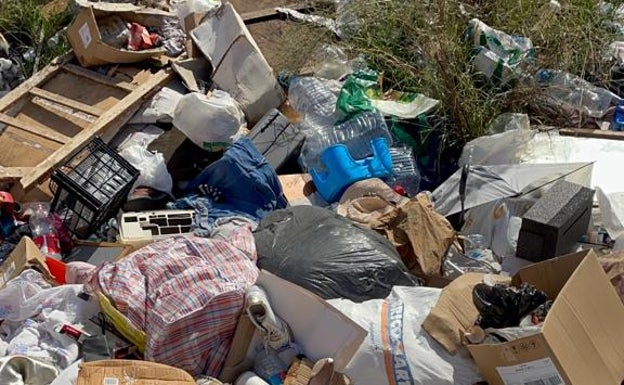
400,190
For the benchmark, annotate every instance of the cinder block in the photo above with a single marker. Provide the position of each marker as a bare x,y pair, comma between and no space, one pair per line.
555,224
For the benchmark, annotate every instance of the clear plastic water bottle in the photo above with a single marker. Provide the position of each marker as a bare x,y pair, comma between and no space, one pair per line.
269,367
577,92
313,100
44,235
618,118
405,172
356,133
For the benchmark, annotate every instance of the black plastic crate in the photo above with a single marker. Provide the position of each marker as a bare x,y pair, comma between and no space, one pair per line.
91,187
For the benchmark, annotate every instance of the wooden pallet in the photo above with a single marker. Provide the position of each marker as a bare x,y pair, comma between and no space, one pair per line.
58,110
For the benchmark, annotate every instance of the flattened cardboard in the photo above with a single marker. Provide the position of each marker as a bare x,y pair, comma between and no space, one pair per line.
583,335
454,312
320,329
25,255
299,190
122,372
239,67
84,35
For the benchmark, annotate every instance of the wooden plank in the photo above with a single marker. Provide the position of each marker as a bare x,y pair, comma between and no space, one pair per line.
23,89
592,133
96,77
271,14
110,116
12,174
44,132
66,101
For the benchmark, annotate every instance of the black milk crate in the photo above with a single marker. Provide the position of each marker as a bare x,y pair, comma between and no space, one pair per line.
91,187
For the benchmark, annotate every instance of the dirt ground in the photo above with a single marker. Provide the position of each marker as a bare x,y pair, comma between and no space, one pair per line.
269,34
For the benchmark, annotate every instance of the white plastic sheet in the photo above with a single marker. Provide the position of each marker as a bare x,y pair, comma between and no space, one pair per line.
32,309
160,108
152,166
393,326
513,132
612,211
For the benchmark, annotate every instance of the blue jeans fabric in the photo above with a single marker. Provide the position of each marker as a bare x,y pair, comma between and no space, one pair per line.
241,183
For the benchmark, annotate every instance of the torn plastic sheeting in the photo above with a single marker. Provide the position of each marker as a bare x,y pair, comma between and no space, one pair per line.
312,19
612,211
607,155
513,132
343,26
161,107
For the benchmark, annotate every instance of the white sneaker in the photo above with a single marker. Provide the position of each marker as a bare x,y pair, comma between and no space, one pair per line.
273,329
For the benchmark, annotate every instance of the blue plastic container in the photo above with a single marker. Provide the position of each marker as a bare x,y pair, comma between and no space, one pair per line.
343,170
618,118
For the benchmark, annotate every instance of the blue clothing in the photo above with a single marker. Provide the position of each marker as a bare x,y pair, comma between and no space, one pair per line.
241,183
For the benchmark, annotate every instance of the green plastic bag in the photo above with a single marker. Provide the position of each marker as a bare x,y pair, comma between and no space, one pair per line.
355,95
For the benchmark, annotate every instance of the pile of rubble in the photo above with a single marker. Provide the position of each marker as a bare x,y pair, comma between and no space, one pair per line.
175,213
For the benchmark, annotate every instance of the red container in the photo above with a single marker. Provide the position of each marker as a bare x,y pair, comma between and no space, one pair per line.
58,269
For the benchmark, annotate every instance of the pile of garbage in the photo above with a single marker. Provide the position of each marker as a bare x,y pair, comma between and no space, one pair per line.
247,228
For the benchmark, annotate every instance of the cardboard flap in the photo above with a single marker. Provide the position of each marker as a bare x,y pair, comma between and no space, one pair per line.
192,70
107,7
551,275
134,372
319,328
216,35
25,255
455,312
585,327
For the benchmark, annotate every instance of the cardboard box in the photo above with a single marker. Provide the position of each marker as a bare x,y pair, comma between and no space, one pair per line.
122,372
26,255
299,190
84,35
239,67
192,21
582,340
320,329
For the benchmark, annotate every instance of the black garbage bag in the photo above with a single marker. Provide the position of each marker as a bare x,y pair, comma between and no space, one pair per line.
502,306
329,255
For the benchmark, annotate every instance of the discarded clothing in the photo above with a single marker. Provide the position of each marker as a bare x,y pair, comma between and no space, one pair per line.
207,213
241,183
186,294
21,370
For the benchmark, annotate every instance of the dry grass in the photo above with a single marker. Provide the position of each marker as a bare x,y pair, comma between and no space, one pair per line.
420,46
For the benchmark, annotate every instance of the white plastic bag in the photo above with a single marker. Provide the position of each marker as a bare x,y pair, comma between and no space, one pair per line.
152,166
212,121
502,148
612,211
160,108
397,347
183,8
